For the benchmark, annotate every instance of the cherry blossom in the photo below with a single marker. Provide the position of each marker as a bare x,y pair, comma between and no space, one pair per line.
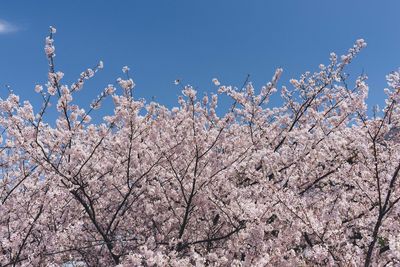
311,182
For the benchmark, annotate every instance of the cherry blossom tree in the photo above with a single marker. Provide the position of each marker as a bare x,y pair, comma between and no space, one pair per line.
313,182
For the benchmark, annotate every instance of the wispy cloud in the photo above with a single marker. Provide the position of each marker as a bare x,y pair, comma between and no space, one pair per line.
6,27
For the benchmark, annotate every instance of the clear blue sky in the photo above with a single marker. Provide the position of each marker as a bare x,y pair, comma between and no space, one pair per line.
194,40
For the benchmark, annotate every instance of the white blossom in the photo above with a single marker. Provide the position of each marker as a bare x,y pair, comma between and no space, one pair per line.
125,69
216,82
38,88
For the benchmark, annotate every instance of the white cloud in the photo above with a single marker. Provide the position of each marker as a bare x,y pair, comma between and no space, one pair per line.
6,27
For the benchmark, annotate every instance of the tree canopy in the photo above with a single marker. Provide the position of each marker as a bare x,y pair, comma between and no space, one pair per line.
312,182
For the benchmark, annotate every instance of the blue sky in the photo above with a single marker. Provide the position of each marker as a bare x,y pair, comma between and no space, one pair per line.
195,41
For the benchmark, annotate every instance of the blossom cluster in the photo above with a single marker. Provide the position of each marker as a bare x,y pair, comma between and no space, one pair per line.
312,182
